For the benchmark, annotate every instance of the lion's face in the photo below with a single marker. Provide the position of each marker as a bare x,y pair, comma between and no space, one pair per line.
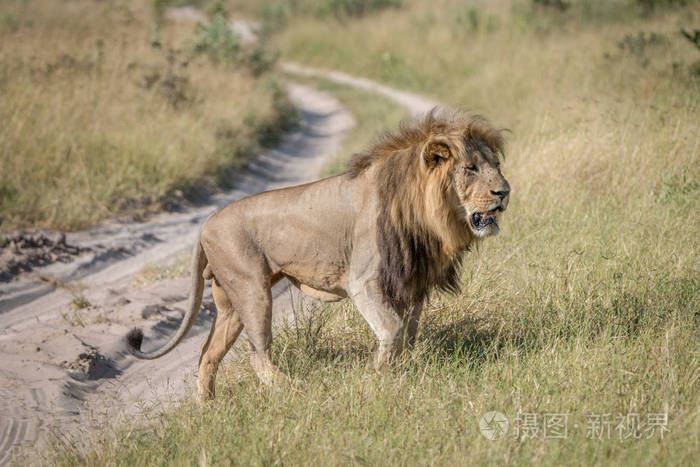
481,191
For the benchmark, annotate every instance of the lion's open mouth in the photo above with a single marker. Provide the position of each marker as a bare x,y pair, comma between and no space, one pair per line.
479,220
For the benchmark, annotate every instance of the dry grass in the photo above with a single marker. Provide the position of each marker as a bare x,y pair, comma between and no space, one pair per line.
95,120
587,304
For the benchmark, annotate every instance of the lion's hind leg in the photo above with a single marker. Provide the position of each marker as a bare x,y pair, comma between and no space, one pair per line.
257,318
249,288
224,332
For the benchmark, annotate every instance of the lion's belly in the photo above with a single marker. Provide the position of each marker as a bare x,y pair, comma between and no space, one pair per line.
328,277
321,295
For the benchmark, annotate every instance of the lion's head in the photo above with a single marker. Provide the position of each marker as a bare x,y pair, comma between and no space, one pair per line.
478,191
440,188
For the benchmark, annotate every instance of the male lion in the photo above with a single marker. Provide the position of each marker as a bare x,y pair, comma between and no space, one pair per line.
384,233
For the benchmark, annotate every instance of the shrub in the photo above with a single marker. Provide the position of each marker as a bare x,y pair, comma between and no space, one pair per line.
218,40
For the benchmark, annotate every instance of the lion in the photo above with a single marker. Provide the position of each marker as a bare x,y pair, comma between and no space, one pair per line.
385,233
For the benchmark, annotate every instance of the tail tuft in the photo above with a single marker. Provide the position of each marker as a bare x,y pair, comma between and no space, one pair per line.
134,338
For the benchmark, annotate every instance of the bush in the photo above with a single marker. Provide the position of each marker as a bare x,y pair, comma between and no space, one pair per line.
218,40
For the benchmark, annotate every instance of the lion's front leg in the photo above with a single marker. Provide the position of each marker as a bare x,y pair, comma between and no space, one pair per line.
387,325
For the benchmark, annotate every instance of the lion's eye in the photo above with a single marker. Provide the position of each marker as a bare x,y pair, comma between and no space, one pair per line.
472,168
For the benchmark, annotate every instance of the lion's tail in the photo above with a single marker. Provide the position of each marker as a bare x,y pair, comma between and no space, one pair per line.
135,337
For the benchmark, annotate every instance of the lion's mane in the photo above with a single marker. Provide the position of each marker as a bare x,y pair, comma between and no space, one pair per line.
420,238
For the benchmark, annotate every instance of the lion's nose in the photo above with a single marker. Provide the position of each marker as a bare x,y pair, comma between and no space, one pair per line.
501,194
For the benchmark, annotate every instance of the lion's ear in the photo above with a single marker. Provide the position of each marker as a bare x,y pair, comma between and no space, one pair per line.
435,154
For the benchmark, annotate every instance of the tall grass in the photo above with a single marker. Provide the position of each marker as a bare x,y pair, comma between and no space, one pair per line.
99,115
468,360
585,305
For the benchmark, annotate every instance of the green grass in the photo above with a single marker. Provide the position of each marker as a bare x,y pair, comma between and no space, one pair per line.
587,303
338,410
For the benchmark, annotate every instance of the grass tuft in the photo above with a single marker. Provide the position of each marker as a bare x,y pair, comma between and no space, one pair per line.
98,119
